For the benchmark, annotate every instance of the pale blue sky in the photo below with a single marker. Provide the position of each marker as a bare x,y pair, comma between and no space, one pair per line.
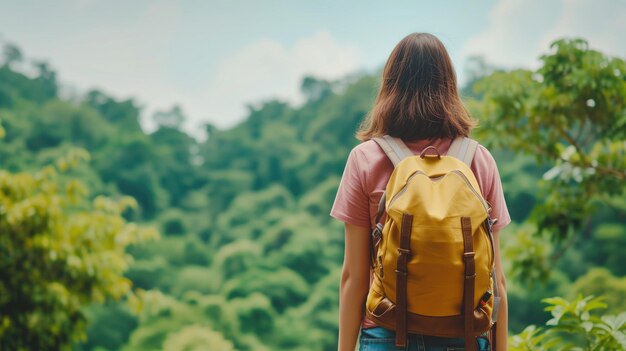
213,57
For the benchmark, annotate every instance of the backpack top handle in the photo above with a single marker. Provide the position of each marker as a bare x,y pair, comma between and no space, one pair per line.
425,154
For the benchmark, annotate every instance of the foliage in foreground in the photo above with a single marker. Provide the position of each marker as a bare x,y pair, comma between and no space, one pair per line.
574,326
570,114
59,252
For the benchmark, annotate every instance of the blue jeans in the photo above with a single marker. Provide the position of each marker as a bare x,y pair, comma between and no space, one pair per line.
381,339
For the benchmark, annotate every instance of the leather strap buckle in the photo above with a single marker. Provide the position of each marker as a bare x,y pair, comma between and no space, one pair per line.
401,272
403,251
468,255
376,232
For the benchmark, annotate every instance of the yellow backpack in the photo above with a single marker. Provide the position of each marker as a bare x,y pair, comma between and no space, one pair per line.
434,258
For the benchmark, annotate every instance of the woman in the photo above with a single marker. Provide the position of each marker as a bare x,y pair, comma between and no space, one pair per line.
418,102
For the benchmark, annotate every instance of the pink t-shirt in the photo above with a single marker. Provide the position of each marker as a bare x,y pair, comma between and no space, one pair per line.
367,172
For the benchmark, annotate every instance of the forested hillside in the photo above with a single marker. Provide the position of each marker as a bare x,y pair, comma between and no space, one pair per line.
248,257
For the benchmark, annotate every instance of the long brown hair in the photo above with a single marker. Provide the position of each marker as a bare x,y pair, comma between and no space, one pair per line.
418,96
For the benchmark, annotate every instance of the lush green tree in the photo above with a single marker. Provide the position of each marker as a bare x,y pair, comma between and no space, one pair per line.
59,252
315,89
320,311
236,258
12,54
123,113
159,315
173,118
38,89
250,213
196,338
318,201
255,313
152,273
62,122
199,279
163,317
284,287
46,80
177,170
571,115
108,325
129,162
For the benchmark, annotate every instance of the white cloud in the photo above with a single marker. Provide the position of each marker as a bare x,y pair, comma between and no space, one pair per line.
508,39
601,22
269,69
519,31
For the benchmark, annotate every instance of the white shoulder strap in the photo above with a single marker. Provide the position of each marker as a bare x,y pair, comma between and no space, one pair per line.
394,148
464,149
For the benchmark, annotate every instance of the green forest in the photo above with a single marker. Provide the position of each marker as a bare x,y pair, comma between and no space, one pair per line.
112,238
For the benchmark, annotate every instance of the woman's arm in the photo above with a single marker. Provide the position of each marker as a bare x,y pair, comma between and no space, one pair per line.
355,278
502,329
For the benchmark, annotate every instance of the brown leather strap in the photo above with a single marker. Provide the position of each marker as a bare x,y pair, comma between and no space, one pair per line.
493,336
404,252
468,286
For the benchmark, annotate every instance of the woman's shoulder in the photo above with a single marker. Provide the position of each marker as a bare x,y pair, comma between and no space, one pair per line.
369,151
371,159
367,147
484,165
483,154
